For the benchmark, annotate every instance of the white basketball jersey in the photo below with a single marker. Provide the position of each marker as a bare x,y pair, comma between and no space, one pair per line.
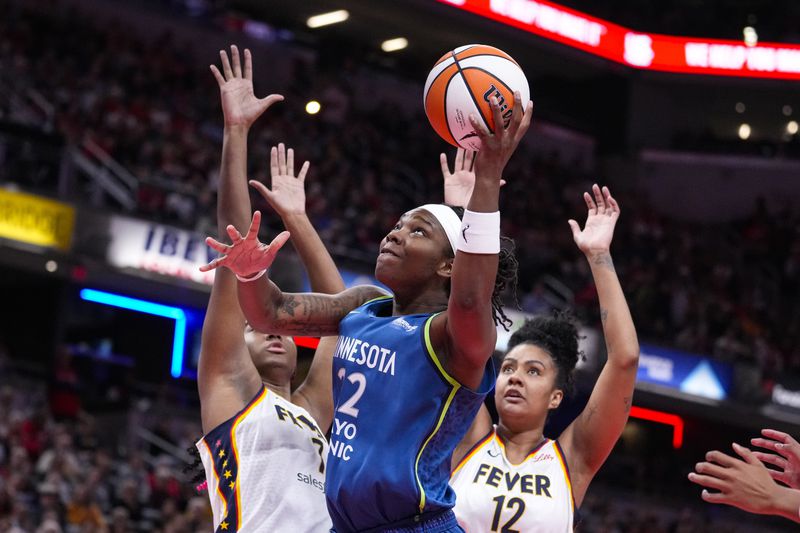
492,494
265,469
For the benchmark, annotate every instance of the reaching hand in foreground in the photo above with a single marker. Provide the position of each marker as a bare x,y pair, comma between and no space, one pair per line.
247,255
786,456
287,196
598,231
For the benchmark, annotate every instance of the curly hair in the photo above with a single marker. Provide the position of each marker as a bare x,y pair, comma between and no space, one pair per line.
507,271
557,335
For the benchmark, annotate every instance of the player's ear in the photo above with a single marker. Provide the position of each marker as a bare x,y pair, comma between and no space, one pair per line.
446,268
555,398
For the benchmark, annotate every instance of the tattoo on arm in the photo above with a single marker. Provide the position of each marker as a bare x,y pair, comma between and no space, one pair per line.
603,315
317,314
627,401
289,304
604,260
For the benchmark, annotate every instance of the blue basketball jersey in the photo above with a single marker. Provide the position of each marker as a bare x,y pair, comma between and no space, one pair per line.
398,417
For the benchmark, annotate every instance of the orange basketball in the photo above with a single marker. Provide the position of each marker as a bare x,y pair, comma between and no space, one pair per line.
462,82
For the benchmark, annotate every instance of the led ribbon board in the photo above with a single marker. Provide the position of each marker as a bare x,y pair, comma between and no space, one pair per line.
150,308
647,51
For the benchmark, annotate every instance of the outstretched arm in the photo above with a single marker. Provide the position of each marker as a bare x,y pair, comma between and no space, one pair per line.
590,438
266,307
287,196
744,483
226,376
468,326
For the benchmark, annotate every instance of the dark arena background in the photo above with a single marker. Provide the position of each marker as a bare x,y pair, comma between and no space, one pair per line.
110,134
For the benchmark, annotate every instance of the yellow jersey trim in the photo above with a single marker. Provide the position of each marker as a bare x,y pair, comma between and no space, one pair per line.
454,389
236,422
565,469
216,477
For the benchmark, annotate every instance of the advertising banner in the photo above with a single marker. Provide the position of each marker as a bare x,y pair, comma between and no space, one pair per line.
158,248
688,373
641,50
36,220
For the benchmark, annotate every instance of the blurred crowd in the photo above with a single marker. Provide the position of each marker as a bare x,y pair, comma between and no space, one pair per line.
709,289
62,471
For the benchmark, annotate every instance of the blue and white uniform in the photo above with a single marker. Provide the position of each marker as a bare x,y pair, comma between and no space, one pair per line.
398,417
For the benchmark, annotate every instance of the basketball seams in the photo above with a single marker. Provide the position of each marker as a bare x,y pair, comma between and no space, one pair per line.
469,91
444,108
490,55
493,76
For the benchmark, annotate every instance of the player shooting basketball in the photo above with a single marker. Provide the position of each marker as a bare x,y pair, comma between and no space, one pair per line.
411,370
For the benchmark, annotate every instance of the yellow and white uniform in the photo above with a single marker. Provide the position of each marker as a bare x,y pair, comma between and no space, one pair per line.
492,494
265,469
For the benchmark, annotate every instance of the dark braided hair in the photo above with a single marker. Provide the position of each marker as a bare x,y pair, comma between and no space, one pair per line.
557,335
507,270
195,468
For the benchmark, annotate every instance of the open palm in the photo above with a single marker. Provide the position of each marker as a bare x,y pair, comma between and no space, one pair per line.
287,195
240,106
598,231
247,255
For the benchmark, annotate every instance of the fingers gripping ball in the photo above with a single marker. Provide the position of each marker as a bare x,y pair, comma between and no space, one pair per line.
462,82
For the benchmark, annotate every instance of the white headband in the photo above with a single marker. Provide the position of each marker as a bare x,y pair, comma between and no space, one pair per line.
448,219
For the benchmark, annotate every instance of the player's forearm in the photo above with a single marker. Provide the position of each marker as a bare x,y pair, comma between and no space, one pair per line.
620,333
233,201
322,271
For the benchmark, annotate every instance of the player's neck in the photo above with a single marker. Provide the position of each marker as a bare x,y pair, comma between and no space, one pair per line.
418,302
519,444
284,390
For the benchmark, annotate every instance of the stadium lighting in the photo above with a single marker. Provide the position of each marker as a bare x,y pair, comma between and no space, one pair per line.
313,107
740,107
744,131
661,417
51,266
150,308
750,36
393,45
326,19
787,111
791,127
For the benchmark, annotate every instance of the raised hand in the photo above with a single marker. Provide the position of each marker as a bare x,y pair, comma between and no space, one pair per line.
287,196
744,483
786,456
458,184
239,103
247,255
497,147
598,231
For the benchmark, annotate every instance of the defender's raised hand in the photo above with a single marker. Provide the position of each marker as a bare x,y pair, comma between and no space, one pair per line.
458,184
247,255
785,456
598,231
287,196
240,105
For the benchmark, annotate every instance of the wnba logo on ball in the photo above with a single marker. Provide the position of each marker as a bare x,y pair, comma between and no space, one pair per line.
501,101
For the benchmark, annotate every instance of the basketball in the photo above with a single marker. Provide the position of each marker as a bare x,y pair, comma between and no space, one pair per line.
461,83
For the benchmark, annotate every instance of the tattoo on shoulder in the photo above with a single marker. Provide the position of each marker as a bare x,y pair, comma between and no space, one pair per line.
605,261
